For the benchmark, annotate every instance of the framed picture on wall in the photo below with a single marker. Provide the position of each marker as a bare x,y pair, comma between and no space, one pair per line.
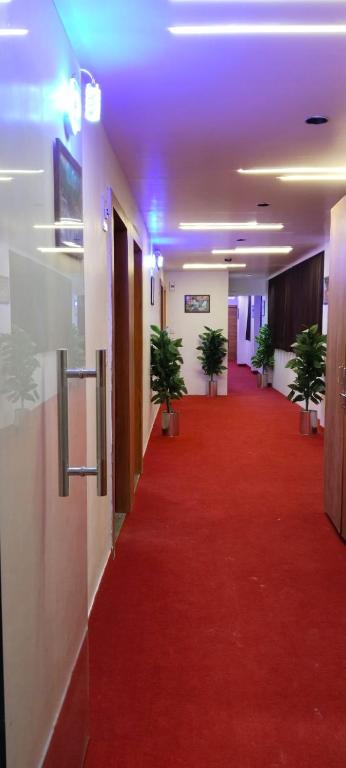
325,290
152,291
68,197
197,303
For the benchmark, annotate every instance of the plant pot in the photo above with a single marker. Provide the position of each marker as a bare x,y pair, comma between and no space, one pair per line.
262,380
212,388
170,423
308,422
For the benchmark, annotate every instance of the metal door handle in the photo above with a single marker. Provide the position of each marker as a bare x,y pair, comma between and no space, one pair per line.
99,373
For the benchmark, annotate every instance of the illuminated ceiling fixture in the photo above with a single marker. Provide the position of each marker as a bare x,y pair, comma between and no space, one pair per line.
6,178
293,170
314,177
60,225
270,249
215,226
61,250
259,29
13,32
18,172
93,99
213,266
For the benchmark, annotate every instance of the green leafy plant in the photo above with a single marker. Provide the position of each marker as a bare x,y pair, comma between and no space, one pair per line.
309,365
264,357
18,363
166,380
213,349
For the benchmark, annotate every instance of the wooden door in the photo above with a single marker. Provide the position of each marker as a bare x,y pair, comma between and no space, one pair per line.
138,361
335,432
232,333
122,442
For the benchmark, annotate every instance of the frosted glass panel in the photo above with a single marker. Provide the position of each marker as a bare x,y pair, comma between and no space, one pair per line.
43,537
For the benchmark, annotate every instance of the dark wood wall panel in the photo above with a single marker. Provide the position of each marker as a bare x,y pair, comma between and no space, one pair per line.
295,301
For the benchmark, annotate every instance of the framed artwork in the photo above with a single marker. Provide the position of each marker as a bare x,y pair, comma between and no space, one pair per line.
197,303
152,291
68,197
326,290
4,289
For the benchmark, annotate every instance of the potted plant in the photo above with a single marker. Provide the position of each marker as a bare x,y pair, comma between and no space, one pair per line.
264,357
213,349
309,365
166,380
18,363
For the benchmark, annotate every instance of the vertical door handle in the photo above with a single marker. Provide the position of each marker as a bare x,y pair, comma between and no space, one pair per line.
63,375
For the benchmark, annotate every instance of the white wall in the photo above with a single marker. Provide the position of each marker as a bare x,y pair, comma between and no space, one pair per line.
189,326
244,347
101,172
284,376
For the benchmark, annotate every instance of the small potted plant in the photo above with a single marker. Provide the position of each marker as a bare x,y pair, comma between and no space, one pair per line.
264,357
309,366
166,380
18,364
213,349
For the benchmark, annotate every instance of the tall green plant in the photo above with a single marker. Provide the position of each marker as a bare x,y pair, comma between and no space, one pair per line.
213,349
264,357
18,363
166,380
309,365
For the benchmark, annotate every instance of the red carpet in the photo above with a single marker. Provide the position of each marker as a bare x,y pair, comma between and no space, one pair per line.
218,638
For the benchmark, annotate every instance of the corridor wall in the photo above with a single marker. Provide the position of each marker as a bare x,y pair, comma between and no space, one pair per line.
102,171
189,326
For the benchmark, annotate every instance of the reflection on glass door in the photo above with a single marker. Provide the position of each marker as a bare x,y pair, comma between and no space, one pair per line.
43,536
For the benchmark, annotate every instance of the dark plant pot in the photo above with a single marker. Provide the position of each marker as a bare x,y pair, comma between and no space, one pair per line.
212,388
170,423
308,422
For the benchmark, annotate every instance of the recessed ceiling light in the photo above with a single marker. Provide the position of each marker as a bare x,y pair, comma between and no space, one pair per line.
263,205
213,266
19,172
60,225
215,226
259,29
317,120
269,249
241,239
289,170
61,250
13,32
314,177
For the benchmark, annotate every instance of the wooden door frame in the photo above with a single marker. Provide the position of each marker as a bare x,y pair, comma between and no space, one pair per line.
138,360
122,380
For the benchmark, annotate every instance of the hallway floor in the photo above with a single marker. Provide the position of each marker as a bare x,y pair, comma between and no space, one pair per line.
218,635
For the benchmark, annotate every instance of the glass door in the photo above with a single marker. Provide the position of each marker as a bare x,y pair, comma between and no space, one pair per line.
43,535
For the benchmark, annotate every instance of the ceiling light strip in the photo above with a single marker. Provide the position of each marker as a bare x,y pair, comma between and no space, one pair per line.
312,169
194,265
224,226
259,29
253,250
13,32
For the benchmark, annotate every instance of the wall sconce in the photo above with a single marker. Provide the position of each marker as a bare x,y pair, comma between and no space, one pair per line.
158,259
92,100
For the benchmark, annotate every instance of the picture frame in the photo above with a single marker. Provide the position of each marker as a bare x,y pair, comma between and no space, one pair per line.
152,291
326,291
197,303
68,197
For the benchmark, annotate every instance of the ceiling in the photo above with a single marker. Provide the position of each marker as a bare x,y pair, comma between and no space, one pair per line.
185,113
